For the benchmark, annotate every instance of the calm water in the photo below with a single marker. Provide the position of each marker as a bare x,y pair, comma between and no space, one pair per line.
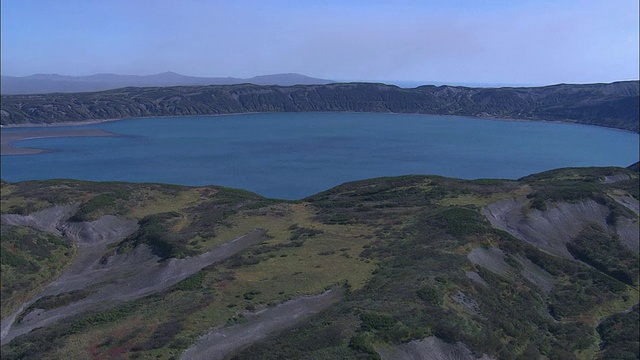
293,155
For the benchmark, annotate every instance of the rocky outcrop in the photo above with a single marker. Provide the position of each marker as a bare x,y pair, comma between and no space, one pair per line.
107,229
536,275
627,201
549,230
431,348
553,228
493,259
48,220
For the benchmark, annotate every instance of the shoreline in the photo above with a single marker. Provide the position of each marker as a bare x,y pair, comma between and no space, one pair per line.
100,121
7,139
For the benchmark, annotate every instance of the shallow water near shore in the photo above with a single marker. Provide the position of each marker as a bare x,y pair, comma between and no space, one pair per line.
293,155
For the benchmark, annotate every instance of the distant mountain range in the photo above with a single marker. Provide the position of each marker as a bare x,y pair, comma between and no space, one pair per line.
54,83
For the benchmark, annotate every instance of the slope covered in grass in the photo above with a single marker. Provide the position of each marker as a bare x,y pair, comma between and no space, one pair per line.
418,259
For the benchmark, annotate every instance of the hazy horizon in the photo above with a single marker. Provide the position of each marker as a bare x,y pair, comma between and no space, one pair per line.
499,42
401,83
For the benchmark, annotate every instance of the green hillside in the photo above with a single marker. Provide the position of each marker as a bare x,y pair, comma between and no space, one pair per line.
412,261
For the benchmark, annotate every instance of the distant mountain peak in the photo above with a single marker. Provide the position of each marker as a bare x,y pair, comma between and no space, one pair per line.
51,83
286,79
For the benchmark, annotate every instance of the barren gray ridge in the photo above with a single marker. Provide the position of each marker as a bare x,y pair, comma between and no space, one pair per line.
550,230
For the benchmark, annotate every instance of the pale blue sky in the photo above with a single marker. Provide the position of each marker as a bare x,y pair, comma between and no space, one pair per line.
531,42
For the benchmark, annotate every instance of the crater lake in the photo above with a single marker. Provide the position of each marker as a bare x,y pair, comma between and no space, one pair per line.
294,155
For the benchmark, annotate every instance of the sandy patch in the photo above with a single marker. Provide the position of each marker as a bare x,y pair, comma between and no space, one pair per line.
8,138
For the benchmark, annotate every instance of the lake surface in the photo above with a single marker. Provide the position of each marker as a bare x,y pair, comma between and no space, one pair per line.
294,155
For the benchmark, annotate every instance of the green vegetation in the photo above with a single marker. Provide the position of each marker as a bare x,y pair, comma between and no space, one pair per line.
154,231
458,221
192,283
182,233
570,192
29,260
431,295
399,247
620,334
577,185
54,301
604,252
108,203
411,294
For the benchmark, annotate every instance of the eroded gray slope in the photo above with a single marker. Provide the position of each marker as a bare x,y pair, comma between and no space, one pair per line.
431,348
48,220
628,229
91,238
552,229
220,342
549,230
493,259
110,280
627,201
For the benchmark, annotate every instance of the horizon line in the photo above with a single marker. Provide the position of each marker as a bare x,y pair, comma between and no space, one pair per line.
384,81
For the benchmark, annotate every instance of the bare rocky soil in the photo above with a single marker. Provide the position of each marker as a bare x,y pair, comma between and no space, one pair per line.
550,230
111,280
431,348
220,342
493,259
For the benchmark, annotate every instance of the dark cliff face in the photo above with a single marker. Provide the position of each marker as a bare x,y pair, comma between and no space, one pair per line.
611,105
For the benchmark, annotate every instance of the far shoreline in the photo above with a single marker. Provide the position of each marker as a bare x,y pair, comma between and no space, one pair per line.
30,130
100,121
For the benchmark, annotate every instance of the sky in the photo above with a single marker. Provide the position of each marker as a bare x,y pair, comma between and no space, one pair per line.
523,42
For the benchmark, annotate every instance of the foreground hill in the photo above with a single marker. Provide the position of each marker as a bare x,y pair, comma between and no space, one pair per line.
382,268
612,105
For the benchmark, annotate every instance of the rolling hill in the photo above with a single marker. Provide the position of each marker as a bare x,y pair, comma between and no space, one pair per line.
542,267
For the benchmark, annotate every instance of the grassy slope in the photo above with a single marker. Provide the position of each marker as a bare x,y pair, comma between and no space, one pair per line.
399,244
30,259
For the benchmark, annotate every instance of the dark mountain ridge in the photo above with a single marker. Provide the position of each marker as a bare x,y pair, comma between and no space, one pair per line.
614,105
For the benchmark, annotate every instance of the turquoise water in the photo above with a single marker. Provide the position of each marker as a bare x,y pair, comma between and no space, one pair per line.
293,155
